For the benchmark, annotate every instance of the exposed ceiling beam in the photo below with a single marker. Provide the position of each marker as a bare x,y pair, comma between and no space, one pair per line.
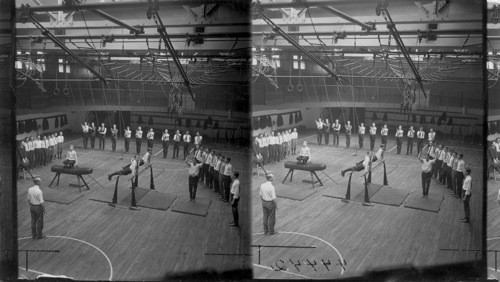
367,27
304,4
239,35
386,32
114,20
117,5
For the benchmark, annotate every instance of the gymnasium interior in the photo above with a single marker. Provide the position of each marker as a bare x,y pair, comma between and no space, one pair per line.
395,62
176,65
493,187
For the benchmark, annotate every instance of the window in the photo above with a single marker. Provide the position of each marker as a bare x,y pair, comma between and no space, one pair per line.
64,66
276,60
298,60
254,62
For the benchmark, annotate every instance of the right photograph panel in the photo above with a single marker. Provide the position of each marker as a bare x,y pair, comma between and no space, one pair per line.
368,139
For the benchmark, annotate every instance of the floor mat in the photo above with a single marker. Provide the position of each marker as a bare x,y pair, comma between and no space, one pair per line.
198,207
293,192
139,194
390,196
157,200
431,203
372,190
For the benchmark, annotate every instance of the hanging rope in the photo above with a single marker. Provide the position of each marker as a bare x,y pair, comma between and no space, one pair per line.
106,104
65,90
93,101
56,90
353,98
327,98
340,99
290,86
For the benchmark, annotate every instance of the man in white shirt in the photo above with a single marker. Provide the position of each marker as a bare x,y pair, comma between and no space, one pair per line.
92,134
165,140
228,172
269,205
432,135
102,136
305,154
348,132
265,149
37,209
45,149
427,164
399,139
85,131
409,144
209,169
138,140
151,137
420,139
235,198
215,175
336,132
444,165
437,154
319,130
114,137
293,137
52,144
198,139
31,152
60,141
272,148
71,158
186,141
384,132
365,164
466,187
127,135
38,151
177,140
373,134
361,135
449,174
194,172
459,176
286,141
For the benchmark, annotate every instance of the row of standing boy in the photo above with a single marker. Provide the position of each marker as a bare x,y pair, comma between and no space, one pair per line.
41,151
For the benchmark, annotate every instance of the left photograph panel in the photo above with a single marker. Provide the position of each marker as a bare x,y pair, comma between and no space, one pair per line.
132,139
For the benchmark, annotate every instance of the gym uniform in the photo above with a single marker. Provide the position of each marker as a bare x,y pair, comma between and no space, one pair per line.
92,133
319,132
177,140
348,131
336,133
361,136
460,176
151,137
114,136
373,133
420,142
165,139
128,134
293,138
138,141
326,131
186,139
409,144
85,129
399,140
102,137
466,187
384,132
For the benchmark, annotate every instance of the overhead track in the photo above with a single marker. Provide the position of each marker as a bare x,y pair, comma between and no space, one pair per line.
367,27
290,40
231,35
26,15
382,9
153,13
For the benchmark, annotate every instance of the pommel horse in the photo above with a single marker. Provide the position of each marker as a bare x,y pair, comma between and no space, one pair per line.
312,168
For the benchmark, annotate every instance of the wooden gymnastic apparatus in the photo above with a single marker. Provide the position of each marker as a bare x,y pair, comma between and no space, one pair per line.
367,180
312,168
78,171
134,184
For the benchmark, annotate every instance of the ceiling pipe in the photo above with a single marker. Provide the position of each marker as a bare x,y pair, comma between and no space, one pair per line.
144,36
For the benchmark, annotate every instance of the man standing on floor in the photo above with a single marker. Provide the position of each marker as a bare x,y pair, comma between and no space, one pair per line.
85,131
194,170
409,144
420,140
449,178
319,132
432,136
228,172
198,139
151,138
138,140
60,141
187,140
114,137
37,209
426,174
466,187
399,139
165,139
177,141
326,131
264,150
384,132
38,151
269,205
373,134
460,174
127,136
348,132
293,137
235,198
102,137
361,135
336,133
92,133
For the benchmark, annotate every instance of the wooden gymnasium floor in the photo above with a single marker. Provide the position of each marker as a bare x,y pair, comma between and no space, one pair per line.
363,238
99,242
493,228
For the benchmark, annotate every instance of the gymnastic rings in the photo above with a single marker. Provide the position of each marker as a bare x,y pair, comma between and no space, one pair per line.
56,91
290,87
300,87
66,91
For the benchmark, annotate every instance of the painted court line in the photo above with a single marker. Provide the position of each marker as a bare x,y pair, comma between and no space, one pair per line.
284,271
314,237
87,243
